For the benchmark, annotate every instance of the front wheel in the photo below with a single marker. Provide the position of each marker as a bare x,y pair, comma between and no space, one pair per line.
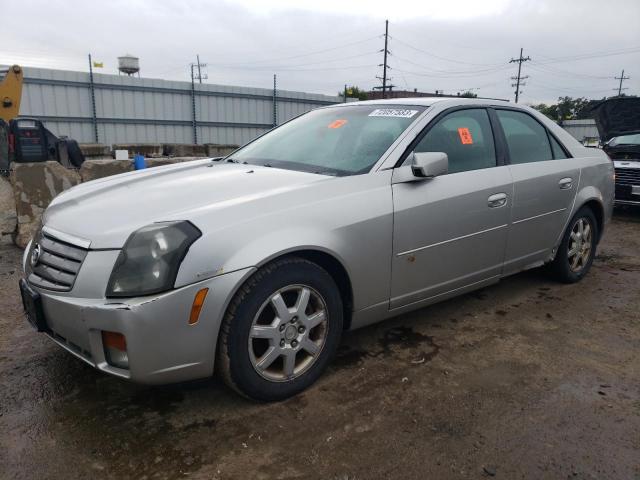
577,249
281,330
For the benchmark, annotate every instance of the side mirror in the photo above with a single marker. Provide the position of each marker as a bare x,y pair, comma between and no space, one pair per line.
429,164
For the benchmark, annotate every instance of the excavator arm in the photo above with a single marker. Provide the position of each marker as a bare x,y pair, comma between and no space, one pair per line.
10,93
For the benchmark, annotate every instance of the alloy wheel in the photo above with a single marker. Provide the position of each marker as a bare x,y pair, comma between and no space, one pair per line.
580,244
288,333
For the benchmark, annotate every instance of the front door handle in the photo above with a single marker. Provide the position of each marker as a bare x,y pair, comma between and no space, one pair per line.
565,183
497,200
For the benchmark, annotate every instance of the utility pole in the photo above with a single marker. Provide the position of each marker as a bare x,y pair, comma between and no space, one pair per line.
201,76
385,66
519,78
345,93
92,92
621,78
193,107
386,52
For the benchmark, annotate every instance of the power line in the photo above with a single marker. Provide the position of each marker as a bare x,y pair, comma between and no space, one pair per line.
308,54
452,73
519,78
443,58
566,73
621,78
587,56
274,66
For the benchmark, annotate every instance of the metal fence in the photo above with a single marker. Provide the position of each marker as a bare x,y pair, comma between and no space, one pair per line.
142,110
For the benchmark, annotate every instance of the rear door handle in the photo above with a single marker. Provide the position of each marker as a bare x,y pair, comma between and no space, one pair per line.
497,200
565,183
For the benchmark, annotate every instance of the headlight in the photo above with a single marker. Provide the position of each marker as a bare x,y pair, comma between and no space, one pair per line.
149,260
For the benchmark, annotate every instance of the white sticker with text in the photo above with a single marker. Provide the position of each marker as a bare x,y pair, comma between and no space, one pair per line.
393,112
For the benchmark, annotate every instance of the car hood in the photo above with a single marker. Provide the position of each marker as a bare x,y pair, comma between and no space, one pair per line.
617,116
108,210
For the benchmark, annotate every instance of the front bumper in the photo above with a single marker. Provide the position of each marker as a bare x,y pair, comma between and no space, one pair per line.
161,344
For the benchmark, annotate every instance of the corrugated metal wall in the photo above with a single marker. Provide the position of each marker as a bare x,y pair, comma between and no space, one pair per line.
581,129
146,110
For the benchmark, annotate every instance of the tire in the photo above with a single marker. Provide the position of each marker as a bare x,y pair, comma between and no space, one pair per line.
259,334
564,267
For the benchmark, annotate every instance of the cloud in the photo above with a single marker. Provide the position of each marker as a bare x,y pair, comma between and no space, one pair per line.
320,46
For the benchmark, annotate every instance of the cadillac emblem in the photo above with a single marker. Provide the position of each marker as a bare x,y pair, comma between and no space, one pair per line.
35,255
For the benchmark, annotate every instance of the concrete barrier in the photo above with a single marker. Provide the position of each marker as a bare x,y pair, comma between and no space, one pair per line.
216,150
34,186
95,150
184,150
147,149
94,169
8,215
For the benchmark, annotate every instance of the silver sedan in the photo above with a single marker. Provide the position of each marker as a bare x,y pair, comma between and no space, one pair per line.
254,264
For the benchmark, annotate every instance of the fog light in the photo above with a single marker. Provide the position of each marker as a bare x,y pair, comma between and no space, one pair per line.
115,349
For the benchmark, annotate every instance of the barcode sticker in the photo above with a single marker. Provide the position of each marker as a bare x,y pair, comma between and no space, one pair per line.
393,112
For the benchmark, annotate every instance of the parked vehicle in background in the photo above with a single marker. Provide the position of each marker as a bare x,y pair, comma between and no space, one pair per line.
342,217
618,121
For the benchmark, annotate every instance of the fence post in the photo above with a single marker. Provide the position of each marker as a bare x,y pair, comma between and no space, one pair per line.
275,102
93,101
193,108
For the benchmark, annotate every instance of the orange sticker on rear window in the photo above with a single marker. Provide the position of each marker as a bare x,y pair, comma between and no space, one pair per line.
465,136
337,123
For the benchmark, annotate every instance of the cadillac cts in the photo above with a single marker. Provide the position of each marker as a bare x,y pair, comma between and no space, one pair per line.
256,263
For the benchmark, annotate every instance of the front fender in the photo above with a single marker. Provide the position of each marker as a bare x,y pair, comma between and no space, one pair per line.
350,219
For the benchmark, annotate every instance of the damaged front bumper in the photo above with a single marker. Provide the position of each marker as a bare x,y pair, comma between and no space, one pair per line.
162,346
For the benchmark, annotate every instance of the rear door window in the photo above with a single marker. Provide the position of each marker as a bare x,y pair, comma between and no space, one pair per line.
466,137
527,139
558,151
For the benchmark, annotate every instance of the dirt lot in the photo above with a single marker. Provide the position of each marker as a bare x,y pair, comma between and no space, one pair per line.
526,379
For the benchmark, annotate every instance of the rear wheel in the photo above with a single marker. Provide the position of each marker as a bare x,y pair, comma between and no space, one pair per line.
281,330
577,249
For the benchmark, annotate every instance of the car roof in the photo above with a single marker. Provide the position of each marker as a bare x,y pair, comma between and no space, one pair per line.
429,101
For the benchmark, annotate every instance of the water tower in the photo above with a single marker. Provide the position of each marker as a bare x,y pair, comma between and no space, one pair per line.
129,65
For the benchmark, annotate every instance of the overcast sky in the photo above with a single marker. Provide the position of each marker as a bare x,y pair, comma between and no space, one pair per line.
576,47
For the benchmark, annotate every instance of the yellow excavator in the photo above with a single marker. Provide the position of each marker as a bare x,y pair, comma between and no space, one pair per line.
27,139
10,93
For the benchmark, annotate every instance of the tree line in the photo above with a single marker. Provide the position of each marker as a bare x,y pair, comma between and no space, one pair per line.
569,108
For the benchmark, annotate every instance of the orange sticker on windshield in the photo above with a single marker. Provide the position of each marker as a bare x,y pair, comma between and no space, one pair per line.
465,136
337,123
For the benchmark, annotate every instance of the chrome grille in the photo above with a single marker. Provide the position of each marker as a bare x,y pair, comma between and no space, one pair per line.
628,176
57,264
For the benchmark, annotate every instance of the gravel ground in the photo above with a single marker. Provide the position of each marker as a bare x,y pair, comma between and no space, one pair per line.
525,379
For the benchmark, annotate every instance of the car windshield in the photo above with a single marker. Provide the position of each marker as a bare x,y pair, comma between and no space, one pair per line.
345,140
625,140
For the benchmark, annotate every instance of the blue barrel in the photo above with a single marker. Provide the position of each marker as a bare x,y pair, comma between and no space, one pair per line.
138,162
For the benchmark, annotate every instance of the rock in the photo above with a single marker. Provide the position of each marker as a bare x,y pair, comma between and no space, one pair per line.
34,186
490,470
8,215
93,169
